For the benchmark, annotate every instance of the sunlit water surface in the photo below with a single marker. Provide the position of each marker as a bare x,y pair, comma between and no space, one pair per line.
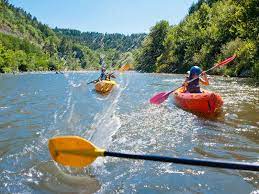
36,107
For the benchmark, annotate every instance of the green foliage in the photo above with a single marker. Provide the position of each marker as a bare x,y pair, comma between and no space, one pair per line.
126,58
18,55
213,30
153,47
196,6
246,61
95,40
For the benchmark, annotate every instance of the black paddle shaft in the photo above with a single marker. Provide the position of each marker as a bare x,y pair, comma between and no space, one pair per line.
92,81
196,162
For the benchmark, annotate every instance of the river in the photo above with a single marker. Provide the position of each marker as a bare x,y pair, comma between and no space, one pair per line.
37,106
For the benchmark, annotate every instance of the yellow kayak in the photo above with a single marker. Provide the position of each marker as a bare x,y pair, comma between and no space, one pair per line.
104,86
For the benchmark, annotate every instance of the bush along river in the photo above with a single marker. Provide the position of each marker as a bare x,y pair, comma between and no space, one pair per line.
35,107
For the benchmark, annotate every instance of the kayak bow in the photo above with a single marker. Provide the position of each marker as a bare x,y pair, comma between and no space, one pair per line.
104,86
207,102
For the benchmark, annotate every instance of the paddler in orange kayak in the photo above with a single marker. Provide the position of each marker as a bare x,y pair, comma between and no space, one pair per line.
105,76
194,86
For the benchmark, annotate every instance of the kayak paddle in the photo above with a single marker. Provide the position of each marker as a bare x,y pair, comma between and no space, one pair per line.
125,67
162,96
75,151
94,81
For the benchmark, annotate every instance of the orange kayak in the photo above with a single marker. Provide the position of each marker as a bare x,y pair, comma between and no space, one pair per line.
104,86
206,102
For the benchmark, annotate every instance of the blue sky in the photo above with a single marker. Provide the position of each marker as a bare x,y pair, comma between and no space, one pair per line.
111,16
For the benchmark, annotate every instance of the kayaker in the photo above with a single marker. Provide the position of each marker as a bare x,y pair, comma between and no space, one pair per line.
103,75
194,86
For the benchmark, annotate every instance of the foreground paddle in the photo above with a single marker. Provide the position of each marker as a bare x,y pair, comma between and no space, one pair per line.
75,151
162,96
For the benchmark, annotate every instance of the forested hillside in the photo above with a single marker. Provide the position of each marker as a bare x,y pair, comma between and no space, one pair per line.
28,45
97,40
213,30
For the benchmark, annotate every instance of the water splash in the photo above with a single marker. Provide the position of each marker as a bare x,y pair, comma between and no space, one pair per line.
107,123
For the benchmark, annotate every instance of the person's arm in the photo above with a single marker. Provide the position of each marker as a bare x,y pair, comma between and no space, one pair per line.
204,79
112,75
185,84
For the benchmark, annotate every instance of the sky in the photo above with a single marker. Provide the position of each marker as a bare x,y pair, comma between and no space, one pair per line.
106,16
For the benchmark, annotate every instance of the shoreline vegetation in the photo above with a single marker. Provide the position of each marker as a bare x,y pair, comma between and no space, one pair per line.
211,31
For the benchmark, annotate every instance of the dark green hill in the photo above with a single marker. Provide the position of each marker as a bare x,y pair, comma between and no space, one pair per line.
95,40
28,45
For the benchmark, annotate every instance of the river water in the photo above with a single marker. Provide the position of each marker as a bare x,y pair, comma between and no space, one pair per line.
36,107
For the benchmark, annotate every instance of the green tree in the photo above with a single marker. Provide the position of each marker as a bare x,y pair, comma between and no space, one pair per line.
153,47
213,30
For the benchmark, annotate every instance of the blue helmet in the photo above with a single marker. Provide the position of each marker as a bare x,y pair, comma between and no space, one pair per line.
195,70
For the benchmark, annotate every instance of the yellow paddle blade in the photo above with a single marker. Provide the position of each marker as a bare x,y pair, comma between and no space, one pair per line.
125,67
73,151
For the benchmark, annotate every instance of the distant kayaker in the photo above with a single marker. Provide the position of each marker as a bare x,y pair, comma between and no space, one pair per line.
103,75
194,86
